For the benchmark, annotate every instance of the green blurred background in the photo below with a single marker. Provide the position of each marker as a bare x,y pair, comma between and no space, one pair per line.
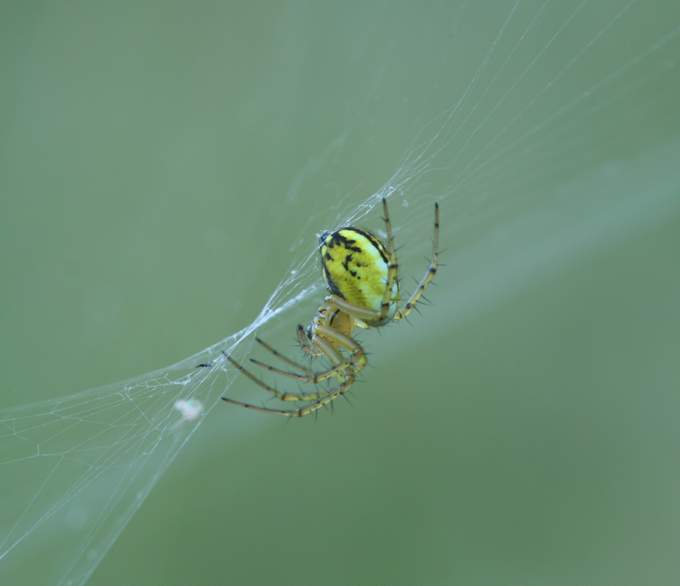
163,165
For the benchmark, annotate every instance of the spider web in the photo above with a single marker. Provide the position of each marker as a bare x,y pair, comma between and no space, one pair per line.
75,469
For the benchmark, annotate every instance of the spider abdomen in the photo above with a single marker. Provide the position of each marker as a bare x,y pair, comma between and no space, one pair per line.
355,265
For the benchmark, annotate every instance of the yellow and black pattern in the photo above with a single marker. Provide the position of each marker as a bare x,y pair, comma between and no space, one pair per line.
355,265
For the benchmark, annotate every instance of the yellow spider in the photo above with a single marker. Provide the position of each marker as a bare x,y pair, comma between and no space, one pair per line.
361,273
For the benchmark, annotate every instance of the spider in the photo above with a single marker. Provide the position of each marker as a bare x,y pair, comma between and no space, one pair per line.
362,276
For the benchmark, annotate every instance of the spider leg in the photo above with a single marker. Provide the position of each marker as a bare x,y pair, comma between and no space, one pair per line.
281,356
282,396
326,348
309,376
392,266
321,347
312,407
355,311
358,357
328,399
303,340
357,361
427,278
340,364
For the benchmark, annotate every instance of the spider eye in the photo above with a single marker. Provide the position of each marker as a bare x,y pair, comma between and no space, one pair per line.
322,236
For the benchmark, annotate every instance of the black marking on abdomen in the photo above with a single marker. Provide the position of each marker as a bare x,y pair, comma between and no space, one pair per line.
374,241
348,243
345,263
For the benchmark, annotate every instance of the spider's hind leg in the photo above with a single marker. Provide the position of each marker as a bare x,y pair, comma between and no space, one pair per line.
392,265
429,275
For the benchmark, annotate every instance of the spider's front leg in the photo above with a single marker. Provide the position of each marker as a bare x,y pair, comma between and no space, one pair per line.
358,358
317,399
280,395
312,407
308,375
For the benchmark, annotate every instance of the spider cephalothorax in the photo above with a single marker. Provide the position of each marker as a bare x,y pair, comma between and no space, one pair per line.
362,276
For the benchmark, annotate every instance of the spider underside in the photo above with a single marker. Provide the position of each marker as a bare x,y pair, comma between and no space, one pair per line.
362,275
